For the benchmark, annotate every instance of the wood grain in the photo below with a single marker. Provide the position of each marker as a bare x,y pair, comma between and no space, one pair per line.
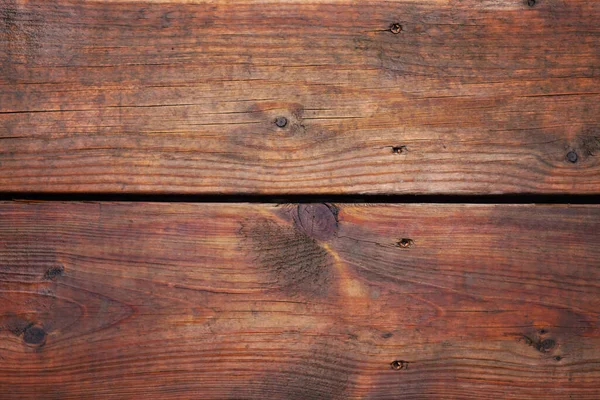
182,96
311,301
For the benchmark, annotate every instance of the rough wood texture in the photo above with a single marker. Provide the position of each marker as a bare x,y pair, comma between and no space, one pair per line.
182,96
299,302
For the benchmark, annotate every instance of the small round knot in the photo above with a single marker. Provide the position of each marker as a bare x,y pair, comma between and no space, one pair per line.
531,3
572,157
281,122
34,335
395,28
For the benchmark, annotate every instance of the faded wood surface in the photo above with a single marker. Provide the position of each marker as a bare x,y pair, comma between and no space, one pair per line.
182,96
299,302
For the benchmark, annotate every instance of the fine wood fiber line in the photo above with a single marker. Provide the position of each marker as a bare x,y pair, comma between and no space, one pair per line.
320,97
310,301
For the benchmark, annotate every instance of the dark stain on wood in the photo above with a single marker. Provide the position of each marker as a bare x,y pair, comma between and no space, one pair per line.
297,263
14,324
589,143
54,272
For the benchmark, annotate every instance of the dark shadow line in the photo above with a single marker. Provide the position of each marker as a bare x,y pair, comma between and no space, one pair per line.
513,198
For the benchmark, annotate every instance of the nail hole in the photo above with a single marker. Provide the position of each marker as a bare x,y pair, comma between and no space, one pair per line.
405,243
531,3
558,358
281,122
543,331
396,28
399,364
399,149
572,157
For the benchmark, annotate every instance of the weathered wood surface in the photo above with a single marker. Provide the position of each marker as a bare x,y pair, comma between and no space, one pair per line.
182,96
299,302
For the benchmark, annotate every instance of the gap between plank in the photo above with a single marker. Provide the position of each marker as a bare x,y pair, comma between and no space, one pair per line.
333,198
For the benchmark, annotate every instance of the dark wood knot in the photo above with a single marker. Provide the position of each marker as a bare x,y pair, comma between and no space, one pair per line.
318,221
34,335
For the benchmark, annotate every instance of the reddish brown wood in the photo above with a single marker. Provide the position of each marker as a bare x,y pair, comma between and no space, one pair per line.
182,96
236,301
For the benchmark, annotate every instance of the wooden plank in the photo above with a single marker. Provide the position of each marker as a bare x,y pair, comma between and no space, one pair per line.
182,96
250,301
